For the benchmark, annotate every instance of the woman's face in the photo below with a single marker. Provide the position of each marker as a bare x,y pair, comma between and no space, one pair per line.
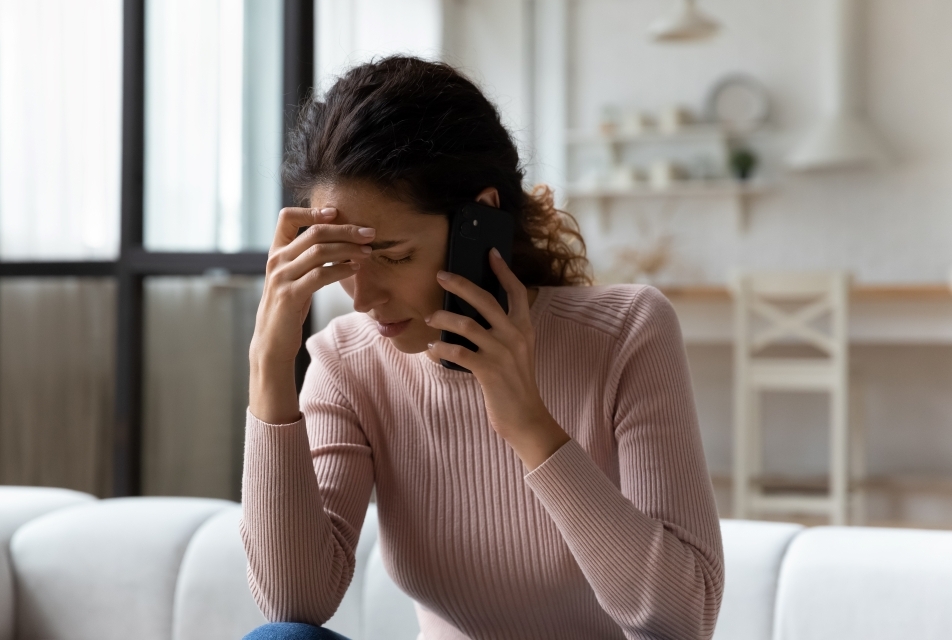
396,286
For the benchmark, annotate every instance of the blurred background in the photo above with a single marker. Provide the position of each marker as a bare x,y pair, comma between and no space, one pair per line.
699,144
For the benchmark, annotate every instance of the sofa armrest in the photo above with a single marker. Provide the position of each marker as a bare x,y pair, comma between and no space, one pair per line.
854,583
212,598
18,506
753,554
105,570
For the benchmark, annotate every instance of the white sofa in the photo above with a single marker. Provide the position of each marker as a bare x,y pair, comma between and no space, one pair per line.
76,568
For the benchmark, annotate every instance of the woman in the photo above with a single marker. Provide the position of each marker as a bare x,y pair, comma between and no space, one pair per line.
557,491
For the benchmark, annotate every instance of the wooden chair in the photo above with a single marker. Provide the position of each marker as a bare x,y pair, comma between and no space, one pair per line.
772,312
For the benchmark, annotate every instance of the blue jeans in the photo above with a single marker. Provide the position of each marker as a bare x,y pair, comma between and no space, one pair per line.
292,631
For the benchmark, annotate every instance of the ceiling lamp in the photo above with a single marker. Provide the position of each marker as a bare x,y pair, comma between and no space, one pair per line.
843,138
686,24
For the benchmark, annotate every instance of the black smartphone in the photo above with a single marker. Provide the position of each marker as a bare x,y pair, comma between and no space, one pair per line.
475,229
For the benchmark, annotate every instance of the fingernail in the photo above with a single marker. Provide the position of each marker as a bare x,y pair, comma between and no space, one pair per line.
429,345
495,252
366,249
443,275
355,265
427,319
328,212
366,231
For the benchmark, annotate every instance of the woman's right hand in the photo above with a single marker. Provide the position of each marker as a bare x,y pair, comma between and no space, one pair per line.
295,270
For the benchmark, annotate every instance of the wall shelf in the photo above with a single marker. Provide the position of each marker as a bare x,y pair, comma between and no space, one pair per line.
680,189
687,133
739,192
591,178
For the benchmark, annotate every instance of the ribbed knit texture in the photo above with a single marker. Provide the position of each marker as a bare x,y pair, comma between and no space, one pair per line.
614,536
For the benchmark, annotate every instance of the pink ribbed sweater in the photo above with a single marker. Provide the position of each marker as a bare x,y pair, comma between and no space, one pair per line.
614,536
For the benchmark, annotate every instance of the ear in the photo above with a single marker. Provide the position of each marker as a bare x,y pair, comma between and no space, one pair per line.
489,197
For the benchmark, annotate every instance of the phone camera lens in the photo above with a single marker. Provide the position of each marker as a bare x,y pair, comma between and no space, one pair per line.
470,228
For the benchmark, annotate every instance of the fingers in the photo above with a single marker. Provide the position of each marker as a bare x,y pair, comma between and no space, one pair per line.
464,326
318,255
516,291
320,277
508,345
300,264
482,300
290,219
457,354
325,233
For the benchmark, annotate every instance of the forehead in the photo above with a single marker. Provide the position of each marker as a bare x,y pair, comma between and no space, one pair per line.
366,205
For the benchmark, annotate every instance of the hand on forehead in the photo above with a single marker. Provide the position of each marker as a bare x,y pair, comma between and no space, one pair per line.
395,221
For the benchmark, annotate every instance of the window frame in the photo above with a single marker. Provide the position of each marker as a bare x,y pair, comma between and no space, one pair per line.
135,262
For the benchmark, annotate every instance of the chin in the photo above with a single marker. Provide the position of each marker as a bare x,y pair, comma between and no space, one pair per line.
407,345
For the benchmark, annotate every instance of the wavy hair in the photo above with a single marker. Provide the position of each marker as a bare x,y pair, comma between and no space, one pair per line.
423,132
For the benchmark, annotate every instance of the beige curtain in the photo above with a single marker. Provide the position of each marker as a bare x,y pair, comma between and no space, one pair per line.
197,333
57,371
57,379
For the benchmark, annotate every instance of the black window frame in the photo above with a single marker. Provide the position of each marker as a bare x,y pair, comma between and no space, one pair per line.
135,262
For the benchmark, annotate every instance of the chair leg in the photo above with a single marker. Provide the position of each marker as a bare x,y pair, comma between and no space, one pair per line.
755,449
839,472
741,475
857,424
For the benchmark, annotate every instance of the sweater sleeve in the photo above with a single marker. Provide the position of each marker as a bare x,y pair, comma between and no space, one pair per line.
305,491
651,548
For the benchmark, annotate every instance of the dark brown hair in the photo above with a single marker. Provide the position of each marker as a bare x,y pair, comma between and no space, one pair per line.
423,132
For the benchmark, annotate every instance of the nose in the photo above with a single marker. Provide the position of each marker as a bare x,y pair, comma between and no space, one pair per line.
368,293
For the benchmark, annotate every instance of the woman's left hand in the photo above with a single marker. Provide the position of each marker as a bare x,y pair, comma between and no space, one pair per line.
504,364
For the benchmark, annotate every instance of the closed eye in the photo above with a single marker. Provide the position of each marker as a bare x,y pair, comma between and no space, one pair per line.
405,258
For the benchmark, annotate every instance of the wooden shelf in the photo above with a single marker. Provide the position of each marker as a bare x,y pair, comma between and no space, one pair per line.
686,133
680,189
712,136
738,192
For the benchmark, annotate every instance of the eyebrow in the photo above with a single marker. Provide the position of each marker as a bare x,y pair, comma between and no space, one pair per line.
385,244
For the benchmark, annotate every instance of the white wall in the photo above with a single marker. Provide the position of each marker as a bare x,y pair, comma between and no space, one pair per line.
893,225
888,226
553,64
489,41
350,32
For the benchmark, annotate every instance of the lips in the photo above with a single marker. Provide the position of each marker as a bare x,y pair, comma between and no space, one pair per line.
392,329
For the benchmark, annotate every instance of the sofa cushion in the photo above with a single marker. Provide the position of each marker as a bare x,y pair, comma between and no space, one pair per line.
753,553
389,613
19,505
105,570
866,583
347,620
212,597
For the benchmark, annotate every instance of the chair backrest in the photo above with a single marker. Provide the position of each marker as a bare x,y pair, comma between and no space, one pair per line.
776,308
